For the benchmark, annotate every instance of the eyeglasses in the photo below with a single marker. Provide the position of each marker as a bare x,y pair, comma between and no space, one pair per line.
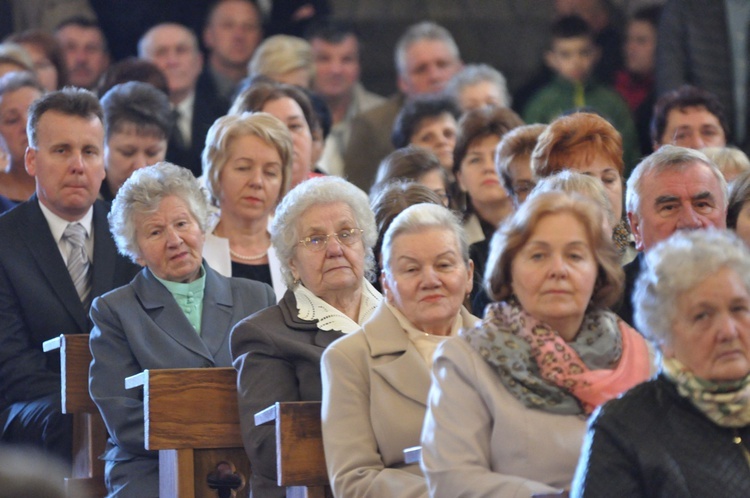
347,237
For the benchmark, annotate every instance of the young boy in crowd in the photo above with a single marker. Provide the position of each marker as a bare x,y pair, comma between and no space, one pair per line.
572,56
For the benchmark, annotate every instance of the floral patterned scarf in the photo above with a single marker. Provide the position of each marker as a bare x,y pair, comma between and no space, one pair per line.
544,372
724,403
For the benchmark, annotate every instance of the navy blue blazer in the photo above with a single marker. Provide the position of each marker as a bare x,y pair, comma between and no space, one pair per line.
38,300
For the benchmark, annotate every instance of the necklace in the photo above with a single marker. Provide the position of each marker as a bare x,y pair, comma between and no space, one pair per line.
248,258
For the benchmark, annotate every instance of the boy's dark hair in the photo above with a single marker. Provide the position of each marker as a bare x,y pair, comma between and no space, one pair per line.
415,111
650,14
330,31
680,98
570,27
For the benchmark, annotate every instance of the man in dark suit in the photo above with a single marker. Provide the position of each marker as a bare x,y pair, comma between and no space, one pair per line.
427,57
675,188
705,43
196,103
48,276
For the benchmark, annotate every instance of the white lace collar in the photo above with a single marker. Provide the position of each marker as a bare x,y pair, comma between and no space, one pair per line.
312,308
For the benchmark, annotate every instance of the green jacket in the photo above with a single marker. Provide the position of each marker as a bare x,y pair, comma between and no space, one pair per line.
557,97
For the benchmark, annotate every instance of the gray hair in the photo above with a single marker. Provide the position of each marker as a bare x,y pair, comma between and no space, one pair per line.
281,54
15,80
420,217
316,191
667,158
677,265
573,182
144,44
473,74
425,30
143,192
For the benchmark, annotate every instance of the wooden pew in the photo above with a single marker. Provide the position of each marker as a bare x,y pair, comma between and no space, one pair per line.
300,460
89,432
191,417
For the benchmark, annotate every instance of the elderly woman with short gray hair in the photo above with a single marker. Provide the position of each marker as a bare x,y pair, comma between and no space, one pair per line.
375,381
687,432
176,313
323,232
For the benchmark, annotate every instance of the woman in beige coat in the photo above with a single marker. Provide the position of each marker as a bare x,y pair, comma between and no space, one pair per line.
376,380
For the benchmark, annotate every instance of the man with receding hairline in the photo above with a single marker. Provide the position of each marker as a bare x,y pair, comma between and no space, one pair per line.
173,48
56,255
232,33
426,58
675,188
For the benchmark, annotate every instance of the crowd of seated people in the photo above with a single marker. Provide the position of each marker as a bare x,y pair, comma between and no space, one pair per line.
539,306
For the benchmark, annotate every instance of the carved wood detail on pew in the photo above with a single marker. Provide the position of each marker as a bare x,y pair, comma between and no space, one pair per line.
191,417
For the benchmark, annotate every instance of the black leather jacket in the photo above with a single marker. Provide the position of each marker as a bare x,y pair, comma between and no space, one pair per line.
654,443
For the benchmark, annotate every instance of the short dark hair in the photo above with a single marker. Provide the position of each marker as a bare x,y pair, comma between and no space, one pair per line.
570,27
80,21
133,69
649,14
84,22
479,123
139,104
408,163
260,91
681,98
417,110
70,101
331,31
393,198
212,6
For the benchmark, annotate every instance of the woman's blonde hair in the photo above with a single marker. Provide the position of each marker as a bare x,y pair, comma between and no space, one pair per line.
281,54
227,128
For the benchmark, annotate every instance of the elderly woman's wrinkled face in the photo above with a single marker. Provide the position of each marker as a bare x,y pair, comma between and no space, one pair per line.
477,175
170,241
554,273
711,332
290,113
131,149
336,269
601,168
427,278
250,181
14,107
743,223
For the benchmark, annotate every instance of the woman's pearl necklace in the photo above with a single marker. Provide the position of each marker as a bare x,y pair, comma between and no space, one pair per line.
248,258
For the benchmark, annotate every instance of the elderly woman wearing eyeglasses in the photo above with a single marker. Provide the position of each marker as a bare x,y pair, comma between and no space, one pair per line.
323,233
